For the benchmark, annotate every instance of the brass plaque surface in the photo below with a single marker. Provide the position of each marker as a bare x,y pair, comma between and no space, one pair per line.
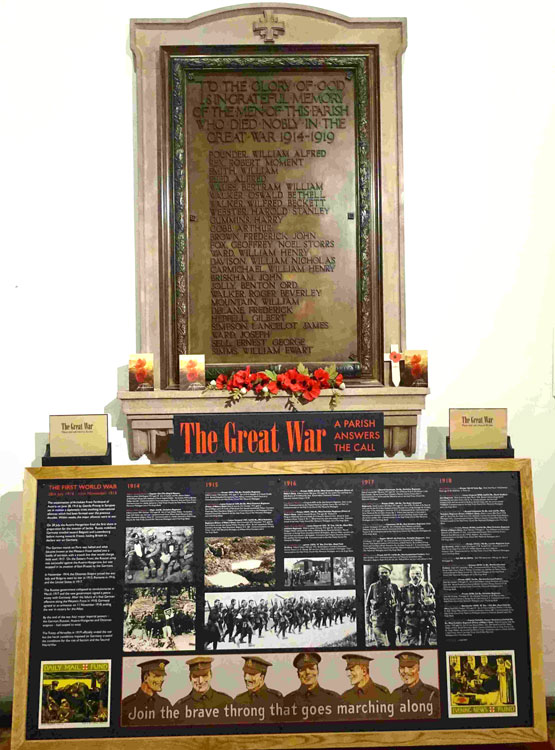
272,214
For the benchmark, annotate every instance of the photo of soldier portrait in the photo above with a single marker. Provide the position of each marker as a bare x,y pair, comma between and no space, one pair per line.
363,688
192,708
302,572
257,692
310,693
414,698
159,618
74,694
381,604
482,682
344,571
159,554
280,619
146,706
400,605
239,562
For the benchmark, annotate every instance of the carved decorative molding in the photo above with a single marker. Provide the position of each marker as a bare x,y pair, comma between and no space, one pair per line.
150,415
268,27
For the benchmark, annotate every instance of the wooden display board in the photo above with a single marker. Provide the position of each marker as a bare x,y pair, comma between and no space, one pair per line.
279,605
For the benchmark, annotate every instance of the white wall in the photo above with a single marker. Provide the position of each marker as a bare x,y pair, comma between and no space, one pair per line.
479,110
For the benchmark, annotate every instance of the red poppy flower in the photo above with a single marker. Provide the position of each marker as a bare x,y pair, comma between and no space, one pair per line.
416,371
242,379
338,379
191,365
294,381
311,389
395,357
221,382
192,375
415,359
140,363
272,386
140,375
322,377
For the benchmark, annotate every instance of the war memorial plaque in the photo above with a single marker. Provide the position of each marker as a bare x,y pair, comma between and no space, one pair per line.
273,211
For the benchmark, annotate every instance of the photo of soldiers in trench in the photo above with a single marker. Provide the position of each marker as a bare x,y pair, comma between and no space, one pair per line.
280,619
159,554
400,605
239,562
159,618
299,572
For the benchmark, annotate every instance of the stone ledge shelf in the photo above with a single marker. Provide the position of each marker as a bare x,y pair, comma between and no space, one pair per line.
150,414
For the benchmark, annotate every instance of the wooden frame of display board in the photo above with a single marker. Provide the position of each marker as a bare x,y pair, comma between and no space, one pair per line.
454,515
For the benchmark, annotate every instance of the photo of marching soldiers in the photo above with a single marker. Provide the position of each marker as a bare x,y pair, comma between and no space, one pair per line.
239,562
282,619
300,572
159,554
344,571
159,618
400,606
276,687
74,694
482,683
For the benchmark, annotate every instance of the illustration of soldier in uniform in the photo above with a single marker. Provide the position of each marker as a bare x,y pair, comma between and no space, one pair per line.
203,694
310,693
145,706
257,692
363,687
421,700
416,610
381,607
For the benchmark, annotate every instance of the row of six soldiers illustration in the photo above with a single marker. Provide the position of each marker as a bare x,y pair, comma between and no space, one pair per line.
413,698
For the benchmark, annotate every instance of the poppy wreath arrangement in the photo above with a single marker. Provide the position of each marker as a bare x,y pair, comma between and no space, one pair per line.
301,385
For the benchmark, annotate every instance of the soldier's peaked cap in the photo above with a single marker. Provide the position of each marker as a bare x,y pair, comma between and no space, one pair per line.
354,659
387,567
200,665
305,658
154,665
255,665
408,658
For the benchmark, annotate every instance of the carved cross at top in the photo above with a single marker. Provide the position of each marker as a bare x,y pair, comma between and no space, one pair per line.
269,27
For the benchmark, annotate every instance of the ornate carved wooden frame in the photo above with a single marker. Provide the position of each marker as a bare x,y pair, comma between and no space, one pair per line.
181,64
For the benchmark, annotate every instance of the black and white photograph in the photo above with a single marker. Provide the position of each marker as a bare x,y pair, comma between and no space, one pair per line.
299,572
239,562
400,605
159,554
159,618
280,619
343,571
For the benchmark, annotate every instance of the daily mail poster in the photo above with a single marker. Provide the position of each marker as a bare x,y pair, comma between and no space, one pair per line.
263,604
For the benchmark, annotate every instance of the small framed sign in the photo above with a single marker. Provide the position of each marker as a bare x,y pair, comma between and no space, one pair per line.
78,435
478,429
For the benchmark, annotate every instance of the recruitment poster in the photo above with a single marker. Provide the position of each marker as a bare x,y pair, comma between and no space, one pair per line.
282,602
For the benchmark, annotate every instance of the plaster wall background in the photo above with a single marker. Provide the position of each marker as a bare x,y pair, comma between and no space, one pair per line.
479,143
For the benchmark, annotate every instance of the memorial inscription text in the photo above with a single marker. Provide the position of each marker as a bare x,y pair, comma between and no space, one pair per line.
272,207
